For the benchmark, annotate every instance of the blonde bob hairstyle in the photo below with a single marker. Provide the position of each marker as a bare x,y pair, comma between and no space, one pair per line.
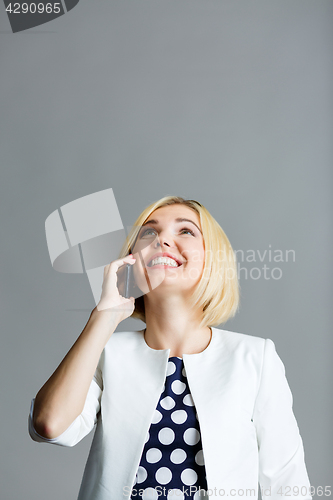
217,292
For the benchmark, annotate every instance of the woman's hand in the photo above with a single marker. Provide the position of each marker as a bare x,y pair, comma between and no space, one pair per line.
111,299
62,397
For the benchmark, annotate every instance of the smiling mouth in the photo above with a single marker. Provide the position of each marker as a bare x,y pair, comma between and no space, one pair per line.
163,261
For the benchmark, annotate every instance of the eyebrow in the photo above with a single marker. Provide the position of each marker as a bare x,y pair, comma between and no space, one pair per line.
179,219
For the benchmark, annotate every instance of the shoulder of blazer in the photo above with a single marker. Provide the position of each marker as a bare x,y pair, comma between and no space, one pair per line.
130,340
127,336
236,341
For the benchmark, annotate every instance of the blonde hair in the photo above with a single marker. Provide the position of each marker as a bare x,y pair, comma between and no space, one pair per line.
217,292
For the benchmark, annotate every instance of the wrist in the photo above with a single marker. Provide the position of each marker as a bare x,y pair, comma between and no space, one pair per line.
105,319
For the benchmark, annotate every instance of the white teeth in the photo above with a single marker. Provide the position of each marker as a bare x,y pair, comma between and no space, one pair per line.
163,260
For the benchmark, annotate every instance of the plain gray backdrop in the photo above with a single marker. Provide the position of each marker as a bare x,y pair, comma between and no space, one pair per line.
227,102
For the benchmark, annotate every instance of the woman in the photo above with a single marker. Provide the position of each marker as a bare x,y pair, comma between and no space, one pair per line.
182,408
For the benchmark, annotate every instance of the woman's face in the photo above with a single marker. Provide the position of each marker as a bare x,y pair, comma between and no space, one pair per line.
169,250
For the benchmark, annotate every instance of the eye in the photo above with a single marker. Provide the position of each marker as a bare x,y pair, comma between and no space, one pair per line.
151,232
186,230
148,232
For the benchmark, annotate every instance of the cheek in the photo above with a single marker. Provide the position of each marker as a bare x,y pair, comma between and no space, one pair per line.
198,257
199,260
144,249
138,270
196,260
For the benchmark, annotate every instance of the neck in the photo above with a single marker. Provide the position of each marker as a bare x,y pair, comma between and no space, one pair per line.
172,324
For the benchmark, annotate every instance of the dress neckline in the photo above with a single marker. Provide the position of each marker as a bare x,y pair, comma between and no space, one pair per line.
209,346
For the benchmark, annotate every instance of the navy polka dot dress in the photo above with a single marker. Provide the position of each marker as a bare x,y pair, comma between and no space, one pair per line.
172,463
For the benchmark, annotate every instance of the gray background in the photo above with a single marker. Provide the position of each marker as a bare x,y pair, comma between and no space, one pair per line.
227,102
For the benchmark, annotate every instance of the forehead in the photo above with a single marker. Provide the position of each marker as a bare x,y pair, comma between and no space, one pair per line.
171,212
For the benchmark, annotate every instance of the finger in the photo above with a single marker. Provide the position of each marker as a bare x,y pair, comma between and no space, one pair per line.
116,264
105,270
124,300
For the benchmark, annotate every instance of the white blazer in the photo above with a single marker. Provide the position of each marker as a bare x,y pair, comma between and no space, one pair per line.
244,406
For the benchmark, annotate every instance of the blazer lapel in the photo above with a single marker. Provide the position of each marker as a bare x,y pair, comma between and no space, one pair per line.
135,380
214,381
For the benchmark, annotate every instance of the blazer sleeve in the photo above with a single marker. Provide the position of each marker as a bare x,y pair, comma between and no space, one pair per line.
282,470
83,424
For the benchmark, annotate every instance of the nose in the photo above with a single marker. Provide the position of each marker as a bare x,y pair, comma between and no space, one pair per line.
158,244
163,240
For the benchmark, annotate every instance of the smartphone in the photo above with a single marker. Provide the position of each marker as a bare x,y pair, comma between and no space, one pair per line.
128,273
125,281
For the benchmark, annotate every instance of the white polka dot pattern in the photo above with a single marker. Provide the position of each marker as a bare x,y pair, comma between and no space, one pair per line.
163,475
150,494
153,455
189,477
178,456
141,475
171,368
188,400
179,416
157,417
199,458
167,403
166,435
172,457
178,387
191,436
